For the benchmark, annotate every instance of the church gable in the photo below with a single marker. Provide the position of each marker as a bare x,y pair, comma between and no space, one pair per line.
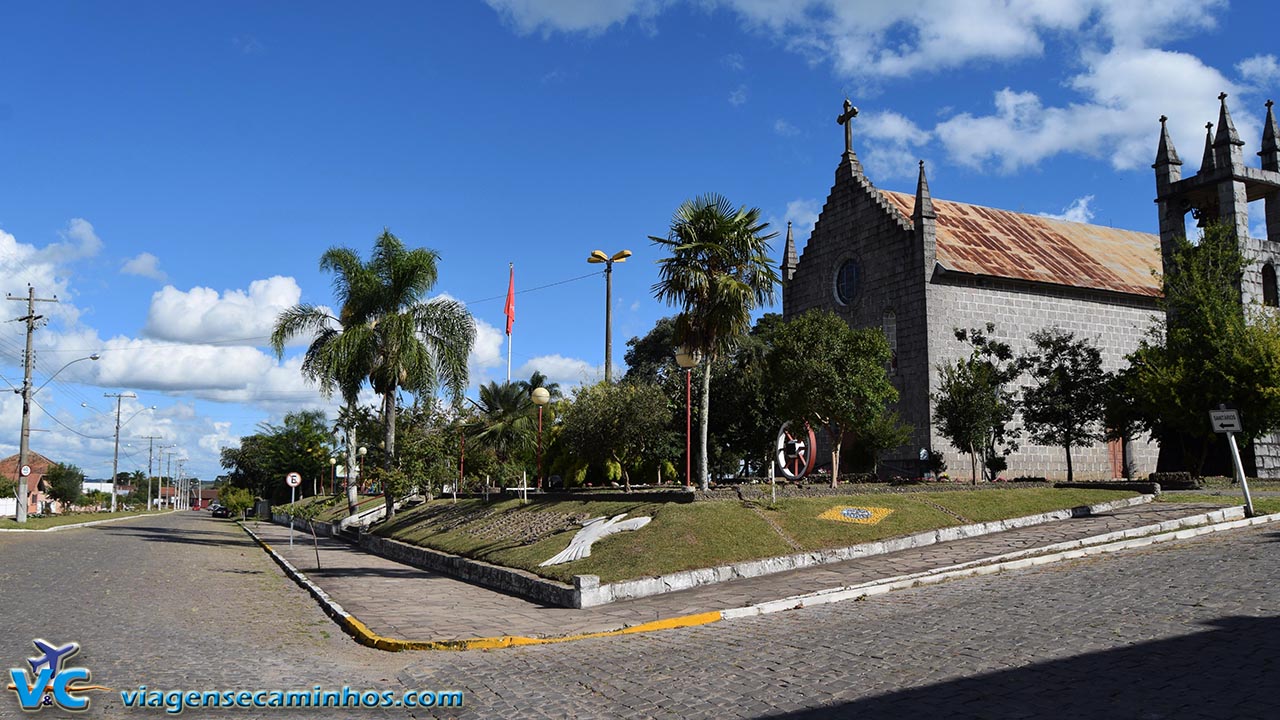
976,240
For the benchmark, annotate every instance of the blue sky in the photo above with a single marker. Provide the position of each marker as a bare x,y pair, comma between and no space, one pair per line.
173,171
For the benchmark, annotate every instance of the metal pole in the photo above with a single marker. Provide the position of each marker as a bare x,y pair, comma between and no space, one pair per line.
115,455
688,426
293,493
608,321
1244,484
539,447
24,440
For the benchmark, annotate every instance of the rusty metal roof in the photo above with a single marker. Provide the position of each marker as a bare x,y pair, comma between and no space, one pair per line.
985,241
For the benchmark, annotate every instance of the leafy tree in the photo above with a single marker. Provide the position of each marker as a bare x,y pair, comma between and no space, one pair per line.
717,273
298,444
235,499
1120,413
8,488
623,425
832,376
1206,351
974,404
66,483
650,359
1064,404
388,331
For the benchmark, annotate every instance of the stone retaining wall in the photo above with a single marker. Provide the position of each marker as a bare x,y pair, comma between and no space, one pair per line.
494,577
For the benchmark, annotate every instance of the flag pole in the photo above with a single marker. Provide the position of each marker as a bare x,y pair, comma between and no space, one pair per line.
510,311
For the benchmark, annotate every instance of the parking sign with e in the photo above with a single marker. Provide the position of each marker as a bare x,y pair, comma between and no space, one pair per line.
293,479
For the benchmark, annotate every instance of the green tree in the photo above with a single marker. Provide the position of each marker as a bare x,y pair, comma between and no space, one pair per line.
1064,404
625,424
8,488
388,331
832,376
1208,350
235,499
718,272
974,404
66,483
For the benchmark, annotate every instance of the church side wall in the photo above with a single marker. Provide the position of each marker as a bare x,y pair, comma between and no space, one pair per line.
856,223
1115,323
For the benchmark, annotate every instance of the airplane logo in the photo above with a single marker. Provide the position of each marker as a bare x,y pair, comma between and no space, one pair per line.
53,656
50,683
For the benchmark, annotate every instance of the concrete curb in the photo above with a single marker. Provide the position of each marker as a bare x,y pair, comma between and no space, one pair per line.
56,528
1086,547
363,635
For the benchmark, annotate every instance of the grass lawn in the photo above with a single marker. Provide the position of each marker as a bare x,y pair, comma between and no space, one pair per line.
688,536
338,507
1265,505
48,521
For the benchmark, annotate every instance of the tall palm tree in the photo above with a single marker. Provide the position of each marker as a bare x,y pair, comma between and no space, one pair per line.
538,380
717,273
389,332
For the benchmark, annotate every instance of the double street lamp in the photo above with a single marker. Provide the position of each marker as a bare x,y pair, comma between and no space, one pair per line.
596,257
24,440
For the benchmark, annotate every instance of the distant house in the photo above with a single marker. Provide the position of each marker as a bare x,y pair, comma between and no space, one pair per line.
38,500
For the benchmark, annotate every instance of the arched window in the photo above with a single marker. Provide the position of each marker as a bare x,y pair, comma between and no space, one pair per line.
889,324
1269,297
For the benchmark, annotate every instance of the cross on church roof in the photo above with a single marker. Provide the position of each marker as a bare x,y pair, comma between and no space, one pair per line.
846,119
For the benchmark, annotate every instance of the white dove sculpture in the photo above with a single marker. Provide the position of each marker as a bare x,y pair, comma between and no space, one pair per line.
592,530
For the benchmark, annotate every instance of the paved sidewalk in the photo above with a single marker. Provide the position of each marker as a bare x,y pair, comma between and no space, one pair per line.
403,602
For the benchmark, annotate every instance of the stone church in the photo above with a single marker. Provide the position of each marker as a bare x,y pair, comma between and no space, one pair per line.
919,267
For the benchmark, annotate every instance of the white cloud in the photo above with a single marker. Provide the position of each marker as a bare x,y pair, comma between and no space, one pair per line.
559,369
78,241
145,265
802,213
591,17
1259,71
895,150
784,128
733,61
739,96
1077,211
487,351
1125,92
201,315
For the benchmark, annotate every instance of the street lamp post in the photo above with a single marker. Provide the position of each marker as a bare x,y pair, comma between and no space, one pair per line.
333,475
360,475
24,439
598,256
540,398
688,361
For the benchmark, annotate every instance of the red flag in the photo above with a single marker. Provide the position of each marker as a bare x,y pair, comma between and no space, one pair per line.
510,309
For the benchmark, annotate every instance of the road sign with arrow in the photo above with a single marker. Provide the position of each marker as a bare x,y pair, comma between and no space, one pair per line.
1225,421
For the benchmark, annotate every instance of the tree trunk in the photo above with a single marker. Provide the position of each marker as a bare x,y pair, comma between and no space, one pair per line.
389,422
973,464
1070,475
353,496
836,438
703,468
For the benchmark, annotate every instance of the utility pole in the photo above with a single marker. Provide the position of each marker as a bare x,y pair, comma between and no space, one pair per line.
151,446
115,458
24,440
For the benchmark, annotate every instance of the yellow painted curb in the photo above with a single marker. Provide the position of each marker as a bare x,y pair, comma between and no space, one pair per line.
363,635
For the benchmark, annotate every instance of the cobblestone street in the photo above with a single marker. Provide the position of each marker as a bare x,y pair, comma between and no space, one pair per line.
184,601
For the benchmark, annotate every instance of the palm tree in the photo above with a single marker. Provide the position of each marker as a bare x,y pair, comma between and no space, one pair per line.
389,333
538,380
505,423
717,273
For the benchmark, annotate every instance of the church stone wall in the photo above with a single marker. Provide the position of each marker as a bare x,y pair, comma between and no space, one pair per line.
1115,323
858,223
